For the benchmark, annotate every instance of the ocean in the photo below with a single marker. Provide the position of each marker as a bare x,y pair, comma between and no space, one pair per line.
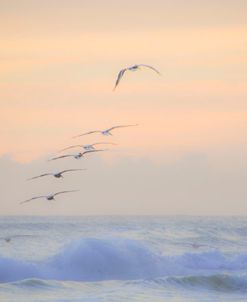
123,258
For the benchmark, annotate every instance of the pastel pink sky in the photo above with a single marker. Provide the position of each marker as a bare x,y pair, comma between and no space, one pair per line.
59,61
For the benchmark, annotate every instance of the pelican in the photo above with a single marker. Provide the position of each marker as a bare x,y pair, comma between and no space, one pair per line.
105,132
88,147
48,197
9,238
132,68
57,174
197,246
76,156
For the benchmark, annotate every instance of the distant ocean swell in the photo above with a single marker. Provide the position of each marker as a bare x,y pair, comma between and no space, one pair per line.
220,282
89,259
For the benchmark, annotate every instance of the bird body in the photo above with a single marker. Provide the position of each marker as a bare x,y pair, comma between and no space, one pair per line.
78,156
106,132
58,175
133,68
50,197
88,147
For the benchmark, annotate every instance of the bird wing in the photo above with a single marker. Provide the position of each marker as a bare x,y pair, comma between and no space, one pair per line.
119,77
103,143
70,147
62,156
90,132
64,192
32,199
121,126
64,171
90,151
39,176
151,67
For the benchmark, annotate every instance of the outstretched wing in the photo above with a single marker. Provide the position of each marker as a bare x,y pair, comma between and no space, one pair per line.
151,67
62,156
119,77
70,147
39,176
90,151
28,200
90,132
103,143
70,170
62,192
121,126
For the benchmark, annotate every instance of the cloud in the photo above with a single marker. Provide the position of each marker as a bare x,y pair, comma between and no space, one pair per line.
194,184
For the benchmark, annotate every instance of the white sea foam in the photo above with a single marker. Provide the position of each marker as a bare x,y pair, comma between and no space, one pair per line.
90,259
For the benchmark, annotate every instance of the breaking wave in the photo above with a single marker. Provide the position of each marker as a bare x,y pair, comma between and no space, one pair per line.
90,259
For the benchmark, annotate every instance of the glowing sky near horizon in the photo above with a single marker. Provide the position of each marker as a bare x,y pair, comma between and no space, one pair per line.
59,61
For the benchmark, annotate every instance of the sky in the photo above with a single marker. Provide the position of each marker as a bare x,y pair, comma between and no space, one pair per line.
58,65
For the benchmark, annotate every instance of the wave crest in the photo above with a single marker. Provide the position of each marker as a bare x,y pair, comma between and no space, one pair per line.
90,259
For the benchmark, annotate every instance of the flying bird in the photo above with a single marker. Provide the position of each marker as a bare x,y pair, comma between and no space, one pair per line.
132,68
56,175
197,246
88,147
9,238
105,132
48,197
76,156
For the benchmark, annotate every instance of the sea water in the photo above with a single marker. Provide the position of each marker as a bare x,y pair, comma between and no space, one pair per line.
114,258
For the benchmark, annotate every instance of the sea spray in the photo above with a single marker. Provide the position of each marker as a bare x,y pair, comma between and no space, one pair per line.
91,259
